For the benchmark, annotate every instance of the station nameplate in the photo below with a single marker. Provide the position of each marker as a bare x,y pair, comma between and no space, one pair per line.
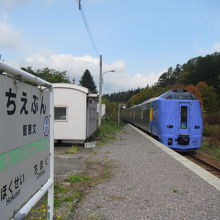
24,143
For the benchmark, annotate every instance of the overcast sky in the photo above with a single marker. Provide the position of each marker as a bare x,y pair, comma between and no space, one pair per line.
138,39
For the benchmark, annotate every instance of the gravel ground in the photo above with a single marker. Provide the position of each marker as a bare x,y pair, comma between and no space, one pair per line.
69,164
147,184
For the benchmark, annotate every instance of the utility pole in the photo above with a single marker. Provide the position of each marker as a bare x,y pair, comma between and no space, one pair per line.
100,93
119,108
79,4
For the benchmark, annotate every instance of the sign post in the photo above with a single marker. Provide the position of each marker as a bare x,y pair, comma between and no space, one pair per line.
123,106
26,147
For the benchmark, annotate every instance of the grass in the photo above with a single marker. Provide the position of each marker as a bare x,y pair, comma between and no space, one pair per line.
107,170
60,194
58,201
74,179
72,194
72,150
58,188
68,194
63,194
211,131
106,132
103,170
210,148
176,191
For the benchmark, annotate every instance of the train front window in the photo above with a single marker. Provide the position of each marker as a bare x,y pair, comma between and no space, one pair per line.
183,95
183,117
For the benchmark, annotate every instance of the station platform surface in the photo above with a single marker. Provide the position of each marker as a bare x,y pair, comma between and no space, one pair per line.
150,182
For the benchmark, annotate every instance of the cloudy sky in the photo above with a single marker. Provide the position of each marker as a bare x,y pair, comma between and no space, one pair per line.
138,39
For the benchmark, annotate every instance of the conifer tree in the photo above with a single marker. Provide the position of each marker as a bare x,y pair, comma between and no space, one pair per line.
88,82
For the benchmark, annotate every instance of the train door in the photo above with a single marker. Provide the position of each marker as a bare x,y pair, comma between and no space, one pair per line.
183,123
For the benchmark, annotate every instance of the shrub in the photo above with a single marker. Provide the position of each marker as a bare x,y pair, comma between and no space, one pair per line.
212,131
212,118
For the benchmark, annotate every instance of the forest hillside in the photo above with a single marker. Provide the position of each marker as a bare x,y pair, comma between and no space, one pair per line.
200,75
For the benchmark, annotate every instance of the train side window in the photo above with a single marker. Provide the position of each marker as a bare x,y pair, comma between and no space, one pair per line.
183,117
60,113
142,114
170,97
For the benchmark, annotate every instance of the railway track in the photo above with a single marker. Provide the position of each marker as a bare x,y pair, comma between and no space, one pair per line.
205,162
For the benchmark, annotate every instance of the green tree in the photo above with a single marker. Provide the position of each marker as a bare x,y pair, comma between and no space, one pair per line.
206,69
170,77
88,82
145,94
209,96
50,75
111,109
121,96
185,78
196,92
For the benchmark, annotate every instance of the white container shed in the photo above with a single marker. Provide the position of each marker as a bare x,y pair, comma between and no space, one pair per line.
75,113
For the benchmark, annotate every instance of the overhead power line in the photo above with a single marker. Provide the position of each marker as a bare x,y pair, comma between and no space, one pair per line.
87,26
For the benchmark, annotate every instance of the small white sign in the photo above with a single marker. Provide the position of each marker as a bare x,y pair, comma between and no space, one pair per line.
90,144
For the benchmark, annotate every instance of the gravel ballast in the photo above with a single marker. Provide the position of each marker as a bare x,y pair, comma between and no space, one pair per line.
147,183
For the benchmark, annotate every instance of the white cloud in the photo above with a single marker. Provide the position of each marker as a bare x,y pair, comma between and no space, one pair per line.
119,80
197,45
207,50
216,47
75,66
9,36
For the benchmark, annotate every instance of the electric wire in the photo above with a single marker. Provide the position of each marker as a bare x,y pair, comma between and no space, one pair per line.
87,27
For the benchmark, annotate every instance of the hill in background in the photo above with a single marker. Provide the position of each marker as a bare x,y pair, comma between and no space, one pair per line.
200,75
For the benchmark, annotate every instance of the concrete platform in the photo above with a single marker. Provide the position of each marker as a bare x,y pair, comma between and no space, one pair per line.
208,177
150,182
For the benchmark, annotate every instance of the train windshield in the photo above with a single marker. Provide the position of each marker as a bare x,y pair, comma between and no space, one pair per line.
184,117
183,95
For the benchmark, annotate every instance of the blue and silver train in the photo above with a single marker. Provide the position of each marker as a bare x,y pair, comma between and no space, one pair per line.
174,118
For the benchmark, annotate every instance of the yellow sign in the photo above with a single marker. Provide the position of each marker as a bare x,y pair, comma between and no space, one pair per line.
151,114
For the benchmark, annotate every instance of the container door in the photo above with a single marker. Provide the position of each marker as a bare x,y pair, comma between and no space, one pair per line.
91,119
183,118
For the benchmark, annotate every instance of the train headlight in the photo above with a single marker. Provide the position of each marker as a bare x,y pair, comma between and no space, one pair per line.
197,127
170,141
169,126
